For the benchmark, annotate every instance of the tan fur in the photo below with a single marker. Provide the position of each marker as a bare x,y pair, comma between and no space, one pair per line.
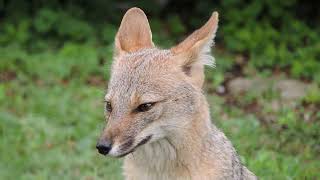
181,141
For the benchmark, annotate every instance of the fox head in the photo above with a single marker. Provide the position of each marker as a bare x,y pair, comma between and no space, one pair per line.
152,91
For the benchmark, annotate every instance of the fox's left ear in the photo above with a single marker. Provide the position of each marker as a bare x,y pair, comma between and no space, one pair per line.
134,32
194,52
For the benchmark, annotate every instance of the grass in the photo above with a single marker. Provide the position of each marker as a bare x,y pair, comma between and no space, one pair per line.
52,113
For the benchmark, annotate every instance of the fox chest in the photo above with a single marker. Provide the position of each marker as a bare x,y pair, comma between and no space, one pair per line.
154,161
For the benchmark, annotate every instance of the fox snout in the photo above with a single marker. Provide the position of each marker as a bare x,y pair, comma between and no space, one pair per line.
104,146
113,146
123,137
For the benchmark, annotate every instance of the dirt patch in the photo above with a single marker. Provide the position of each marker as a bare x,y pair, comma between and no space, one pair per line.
6,76
289,89
95,80
267,97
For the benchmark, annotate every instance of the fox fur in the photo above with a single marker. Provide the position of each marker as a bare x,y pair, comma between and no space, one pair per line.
175,138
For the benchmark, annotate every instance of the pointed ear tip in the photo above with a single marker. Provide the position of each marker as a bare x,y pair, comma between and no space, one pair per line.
135,10
215,15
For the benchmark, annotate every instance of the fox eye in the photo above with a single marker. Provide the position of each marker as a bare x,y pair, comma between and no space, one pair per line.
108,106
144,107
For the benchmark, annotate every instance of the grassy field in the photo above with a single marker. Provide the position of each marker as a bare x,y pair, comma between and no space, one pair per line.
52,113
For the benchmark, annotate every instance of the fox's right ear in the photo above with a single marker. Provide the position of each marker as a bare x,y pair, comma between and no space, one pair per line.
194,52
134,32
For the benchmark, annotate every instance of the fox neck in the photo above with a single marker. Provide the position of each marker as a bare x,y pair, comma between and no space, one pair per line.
182,151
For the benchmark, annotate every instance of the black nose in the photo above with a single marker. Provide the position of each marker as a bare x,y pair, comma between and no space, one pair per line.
103,147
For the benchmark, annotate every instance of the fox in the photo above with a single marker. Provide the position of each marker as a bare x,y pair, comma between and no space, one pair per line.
157,116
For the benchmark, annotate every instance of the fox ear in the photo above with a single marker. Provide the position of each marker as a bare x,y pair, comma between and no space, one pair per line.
134,32
194,52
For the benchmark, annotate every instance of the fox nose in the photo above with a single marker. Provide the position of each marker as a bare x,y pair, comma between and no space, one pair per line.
104,146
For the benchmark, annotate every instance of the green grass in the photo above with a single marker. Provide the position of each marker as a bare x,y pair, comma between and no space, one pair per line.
51,116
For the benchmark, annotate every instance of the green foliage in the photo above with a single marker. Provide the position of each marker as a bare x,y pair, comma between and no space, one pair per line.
273,36
46,20
52,67
15,33
62,24
275,150
313,95
176,26
50,133
108,33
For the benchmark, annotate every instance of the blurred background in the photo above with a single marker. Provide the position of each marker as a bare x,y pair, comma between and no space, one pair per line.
55,61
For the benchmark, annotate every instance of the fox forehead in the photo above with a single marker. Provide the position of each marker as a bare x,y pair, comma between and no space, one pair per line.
137,76
140,60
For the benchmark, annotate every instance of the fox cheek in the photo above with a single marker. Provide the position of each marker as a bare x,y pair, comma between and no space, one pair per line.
155,115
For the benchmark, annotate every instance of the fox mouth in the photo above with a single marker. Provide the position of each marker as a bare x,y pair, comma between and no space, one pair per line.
142,142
